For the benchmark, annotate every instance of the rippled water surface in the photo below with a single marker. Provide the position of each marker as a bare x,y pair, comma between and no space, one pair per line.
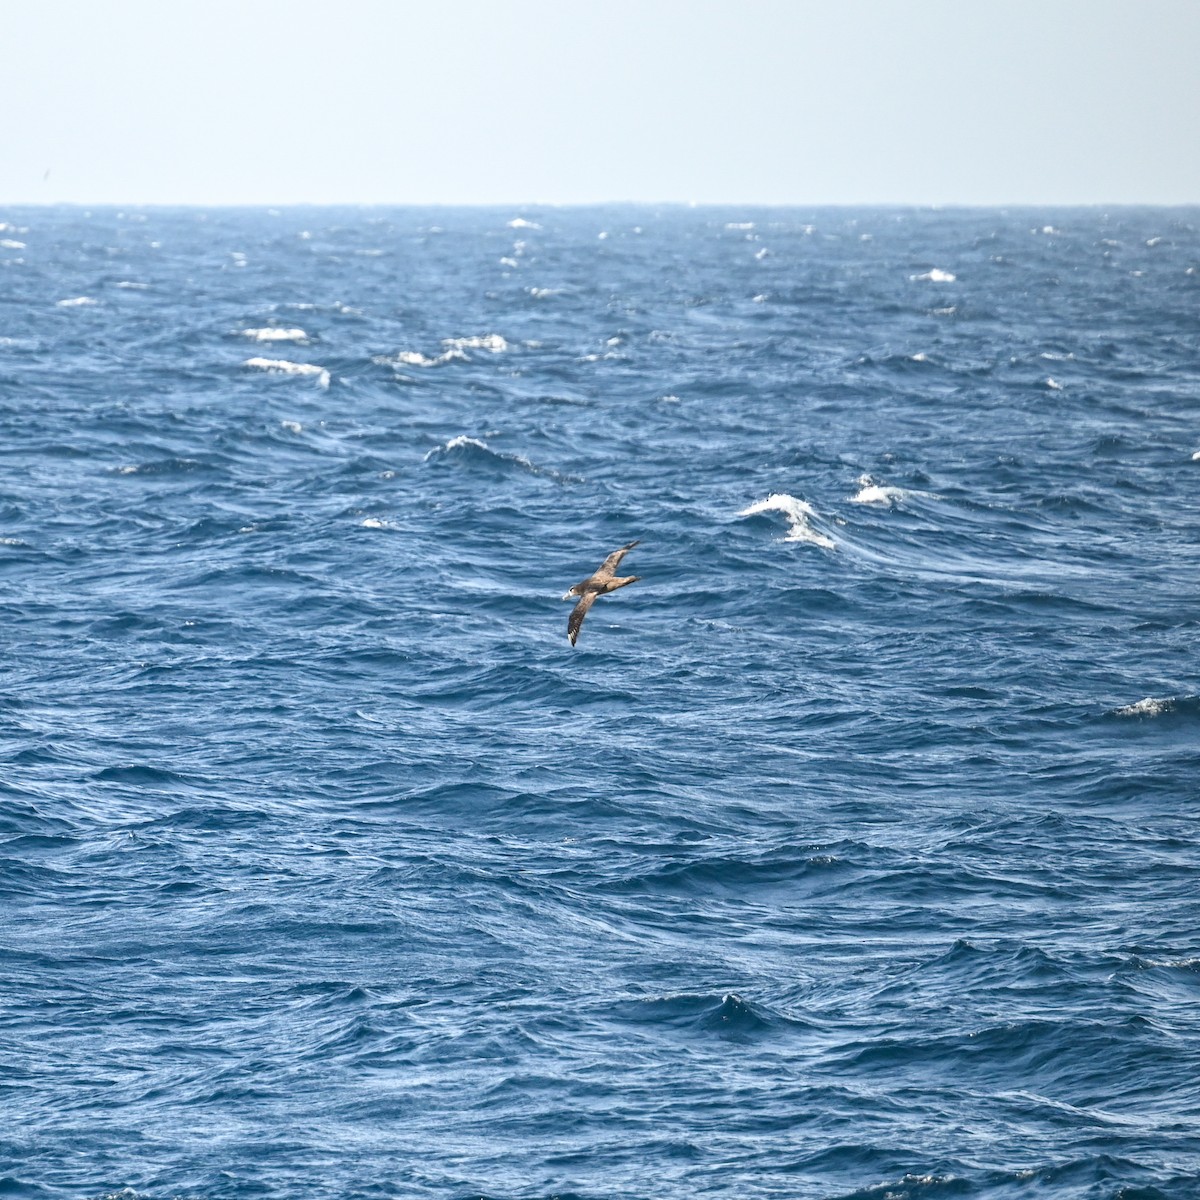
852,852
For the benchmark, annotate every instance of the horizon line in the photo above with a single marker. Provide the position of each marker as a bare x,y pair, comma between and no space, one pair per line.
933,206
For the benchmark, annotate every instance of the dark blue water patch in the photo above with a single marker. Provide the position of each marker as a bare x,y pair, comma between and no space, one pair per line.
850,853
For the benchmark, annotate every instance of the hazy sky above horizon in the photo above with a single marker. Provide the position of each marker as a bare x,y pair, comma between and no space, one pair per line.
563,101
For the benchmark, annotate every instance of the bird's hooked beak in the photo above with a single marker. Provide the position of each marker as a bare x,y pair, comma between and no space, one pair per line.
569,595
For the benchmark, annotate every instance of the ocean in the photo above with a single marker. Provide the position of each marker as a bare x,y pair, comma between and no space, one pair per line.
852,854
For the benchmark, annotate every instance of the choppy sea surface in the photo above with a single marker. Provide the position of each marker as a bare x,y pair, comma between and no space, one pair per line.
853,852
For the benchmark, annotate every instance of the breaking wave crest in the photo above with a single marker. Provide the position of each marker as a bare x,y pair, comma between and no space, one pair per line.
281,366
800,515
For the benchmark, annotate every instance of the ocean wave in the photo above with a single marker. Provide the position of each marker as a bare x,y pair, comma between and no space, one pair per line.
798,513
870,492
936,275
728,1016
272,334
1158,706
473,450
455,351
77,302
281,366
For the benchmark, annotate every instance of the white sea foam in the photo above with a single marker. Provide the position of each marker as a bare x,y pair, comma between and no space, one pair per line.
797,512
1151,706
521,223
509,262
281,366
412,358
870,492
489,341
454,352
459,442
1154,241
292,426
761,254
376,523
920,356
11,244
937,275
77,302
470,448
739,224
132,285
275,335
1196,456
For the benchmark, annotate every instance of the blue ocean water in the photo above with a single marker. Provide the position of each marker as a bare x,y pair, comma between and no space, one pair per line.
853,852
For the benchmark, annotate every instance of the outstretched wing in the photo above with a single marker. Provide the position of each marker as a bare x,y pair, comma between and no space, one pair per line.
578,613
609,565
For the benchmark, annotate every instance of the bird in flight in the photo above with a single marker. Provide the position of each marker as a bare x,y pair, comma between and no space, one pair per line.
604,580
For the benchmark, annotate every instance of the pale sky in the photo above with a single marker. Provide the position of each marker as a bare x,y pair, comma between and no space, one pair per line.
803,102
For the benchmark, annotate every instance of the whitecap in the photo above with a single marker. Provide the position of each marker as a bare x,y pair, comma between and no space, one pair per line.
376,523
797,512
489,341
472,449
132,285
870,492
273,334
458,443
1196,456
76,302
1154,241
936,275
521,223
1151,706
408,358
761,254
919,357
281,366
509,262
292,426
1053,384
11,244
739,224
454,351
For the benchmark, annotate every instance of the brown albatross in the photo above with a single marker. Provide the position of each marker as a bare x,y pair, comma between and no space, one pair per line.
604,580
